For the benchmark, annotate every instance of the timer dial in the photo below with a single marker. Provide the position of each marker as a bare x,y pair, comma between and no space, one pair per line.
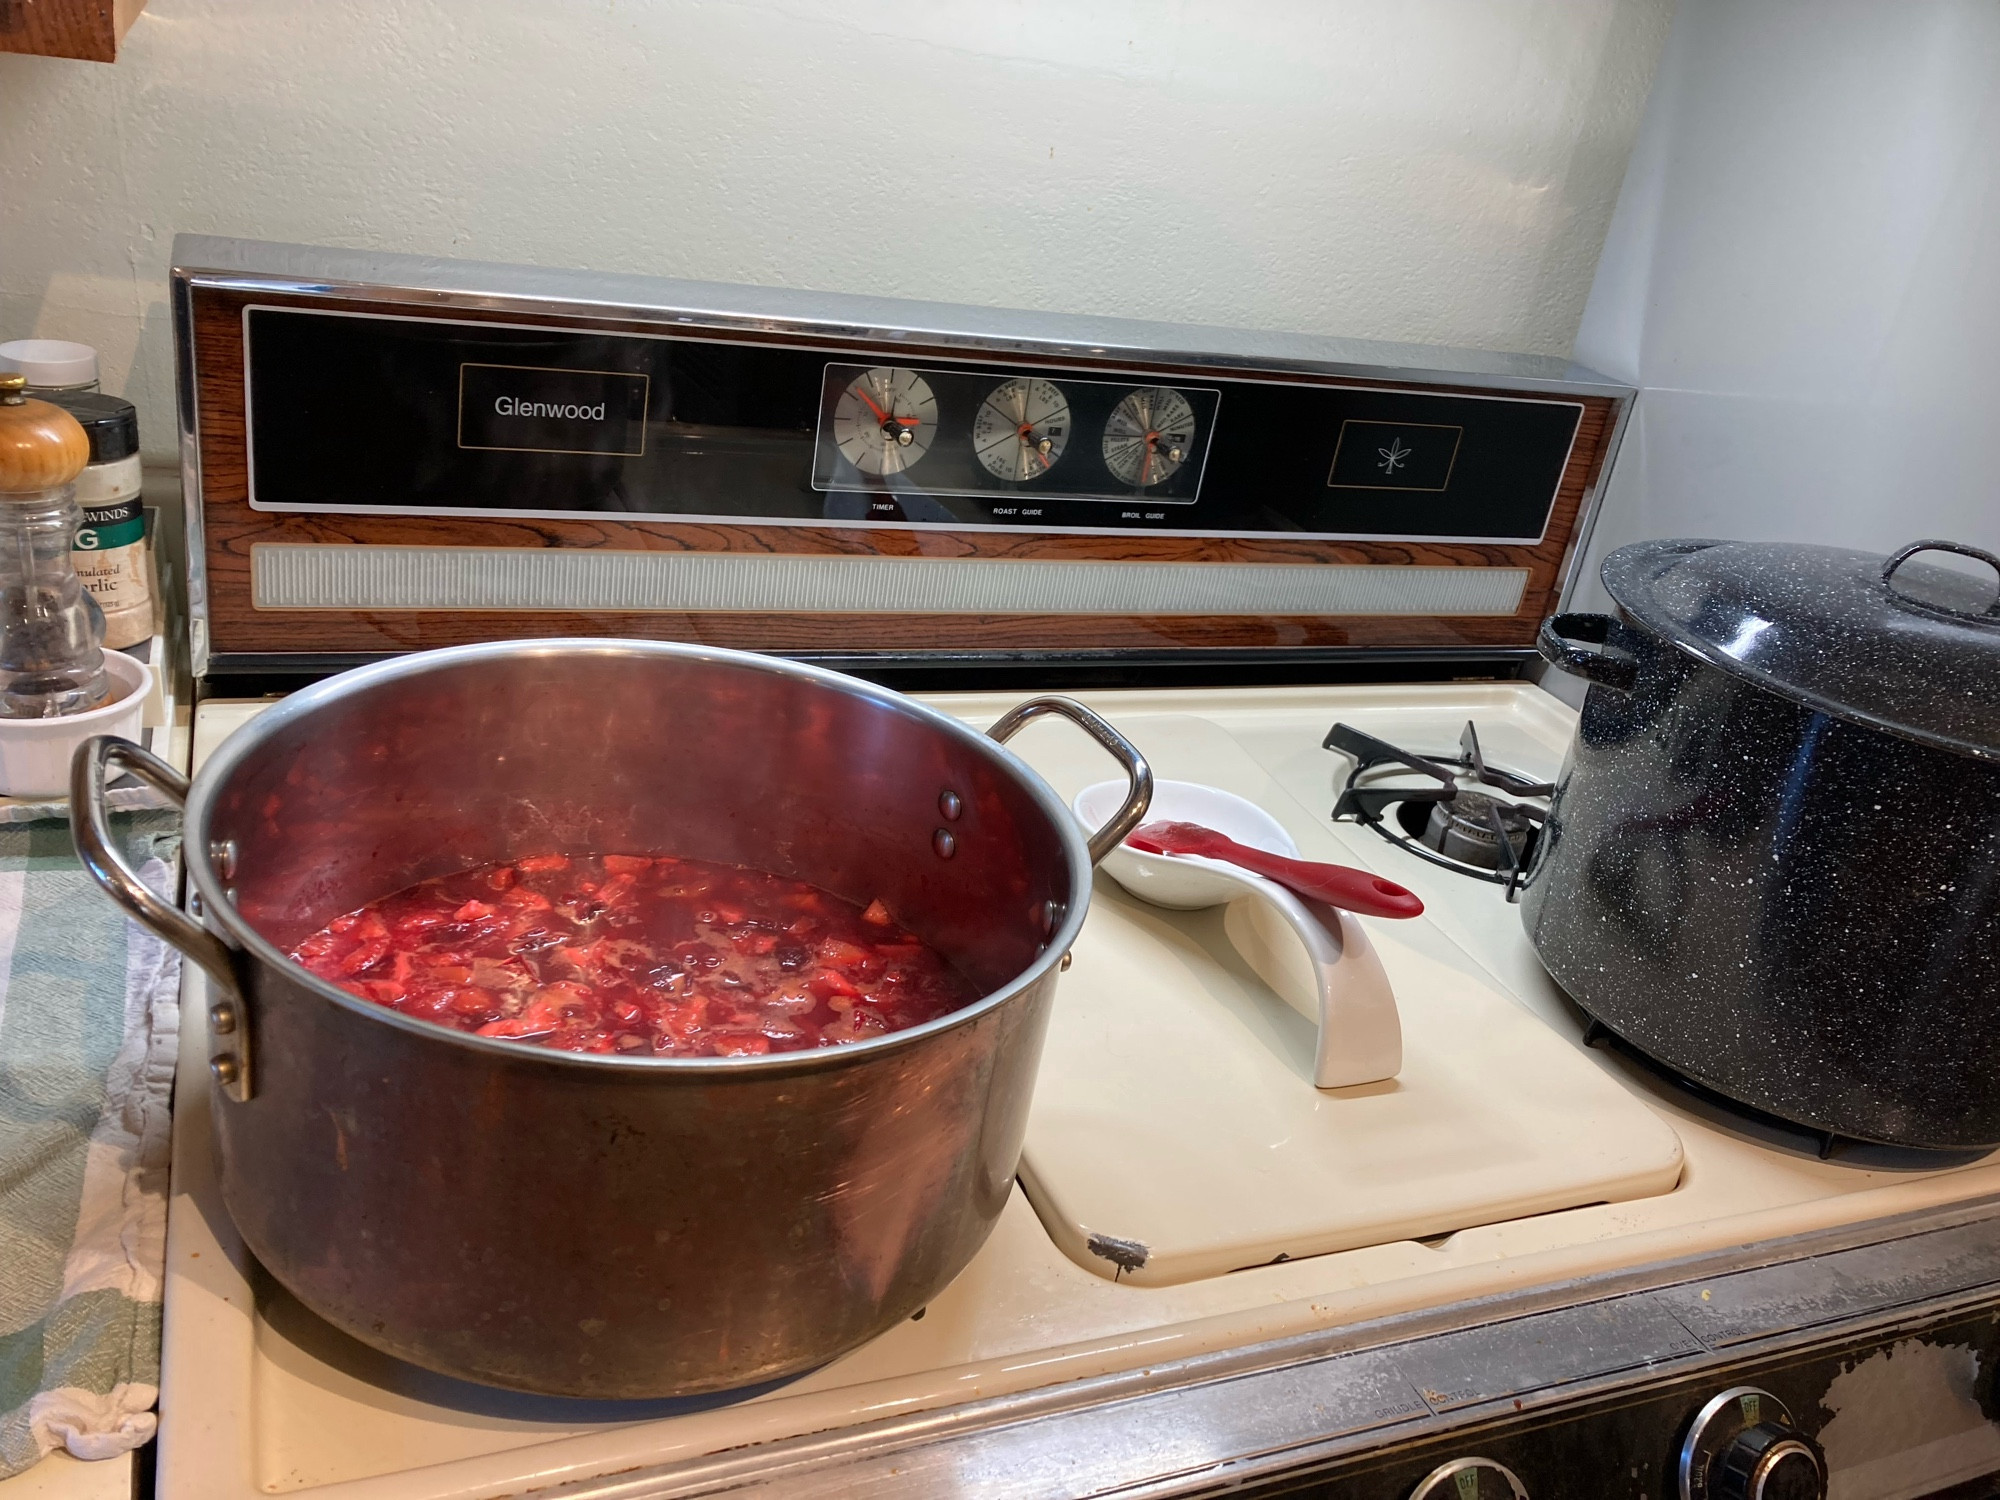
884,421
1021,428
1149,436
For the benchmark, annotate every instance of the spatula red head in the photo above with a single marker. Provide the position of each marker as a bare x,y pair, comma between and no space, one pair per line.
1337,885
1169,837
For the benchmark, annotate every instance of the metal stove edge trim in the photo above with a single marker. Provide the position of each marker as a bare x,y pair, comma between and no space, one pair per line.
1222,1419
429,282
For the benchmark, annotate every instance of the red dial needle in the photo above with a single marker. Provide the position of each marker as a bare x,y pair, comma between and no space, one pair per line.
1145,469
882,416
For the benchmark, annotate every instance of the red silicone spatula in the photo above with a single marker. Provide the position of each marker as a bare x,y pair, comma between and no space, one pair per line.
1336,885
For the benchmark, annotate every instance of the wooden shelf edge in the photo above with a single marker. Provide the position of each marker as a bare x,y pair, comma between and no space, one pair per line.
87,30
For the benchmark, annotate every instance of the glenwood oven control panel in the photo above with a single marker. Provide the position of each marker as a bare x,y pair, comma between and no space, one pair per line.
393,453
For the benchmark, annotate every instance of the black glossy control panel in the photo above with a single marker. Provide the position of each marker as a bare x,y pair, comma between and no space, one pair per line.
381,415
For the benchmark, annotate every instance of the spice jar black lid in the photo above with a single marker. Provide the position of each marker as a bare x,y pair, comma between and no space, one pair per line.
111,425
1894,643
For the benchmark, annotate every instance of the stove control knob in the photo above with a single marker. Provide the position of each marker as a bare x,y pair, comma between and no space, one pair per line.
1470,1479
1743,1446
1769,1462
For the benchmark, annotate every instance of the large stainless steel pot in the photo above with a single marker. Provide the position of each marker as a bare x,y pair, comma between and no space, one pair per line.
614,1226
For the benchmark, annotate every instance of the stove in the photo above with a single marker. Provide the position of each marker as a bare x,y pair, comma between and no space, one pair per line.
287,1405
1524,1265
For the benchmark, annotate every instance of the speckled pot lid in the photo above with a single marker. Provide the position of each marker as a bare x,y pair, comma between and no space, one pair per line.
1896,643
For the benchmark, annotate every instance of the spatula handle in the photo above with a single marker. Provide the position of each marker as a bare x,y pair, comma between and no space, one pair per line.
1337,885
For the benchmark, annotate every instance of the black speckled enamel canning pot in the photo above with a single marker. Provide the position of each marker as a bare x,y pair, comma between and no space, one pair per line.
1773,857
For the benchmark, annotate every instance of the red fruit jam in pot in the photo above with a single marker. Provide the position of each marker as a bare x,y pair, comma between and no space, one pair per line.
637,954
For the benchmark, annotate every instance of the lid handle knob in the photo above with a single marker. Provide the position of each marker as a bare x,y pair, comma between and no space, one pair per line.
1935,544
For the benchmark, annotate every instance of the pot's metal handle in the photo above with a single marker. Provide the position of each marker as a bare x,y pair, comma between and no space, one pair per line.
91,769
1563,639
1133,809
1934,544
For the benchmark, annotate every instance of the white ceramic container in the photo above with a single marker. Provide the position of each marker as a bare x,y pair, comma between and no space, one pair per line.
1317,957
35,753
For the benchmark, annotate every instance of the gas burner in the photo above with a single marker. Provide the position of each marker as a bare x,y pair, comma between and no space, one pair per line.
1471,828
1441,819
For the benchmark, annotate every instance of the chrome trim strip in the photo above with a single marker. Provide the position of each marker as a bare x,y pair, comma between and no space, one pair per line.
1214,1424
194,536
425,282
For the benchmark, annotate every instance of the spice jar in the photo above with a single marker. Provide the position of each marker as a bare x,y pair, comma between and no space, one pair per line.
50,628
51,365
110,548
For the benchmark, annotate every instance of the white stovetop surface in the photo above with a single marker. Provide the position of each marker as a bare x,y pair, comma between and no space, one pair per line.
260,1398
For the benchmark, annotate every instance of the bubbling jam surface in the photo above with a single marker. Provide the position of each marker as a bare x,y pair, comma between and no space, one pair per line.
640,954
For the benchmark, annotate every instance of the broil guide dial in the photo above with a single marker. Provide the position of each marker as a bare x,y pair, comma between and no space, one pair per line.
1148,436
1742,1446
1470,1479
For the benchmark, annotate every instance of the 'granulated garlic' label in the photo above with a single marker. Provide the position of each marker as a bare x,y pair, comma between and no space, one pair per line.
110,558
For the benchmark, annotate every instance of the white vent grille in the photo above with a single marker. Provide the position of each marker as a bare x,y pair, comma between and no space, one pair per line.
286,576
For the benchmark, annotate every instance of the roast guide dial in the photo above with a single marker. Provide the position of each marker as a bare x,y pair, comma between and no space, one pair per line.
1021,429
1470,1479
1148,436
1742,1446
884,421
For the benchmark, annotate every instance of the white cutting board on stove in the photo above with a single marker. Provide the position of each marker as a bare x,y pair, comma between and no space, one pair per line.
1176,1133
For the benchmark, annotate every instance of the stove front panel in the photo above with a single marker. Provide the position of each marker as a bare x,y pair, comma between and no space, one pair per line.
381,468
500,421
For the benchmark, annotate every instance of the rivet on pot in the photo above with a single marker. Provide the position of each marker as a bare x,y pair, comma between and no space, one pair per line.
222,1019
224,1068
1067,960
1052,915
951,805
945,845
194,903
223,854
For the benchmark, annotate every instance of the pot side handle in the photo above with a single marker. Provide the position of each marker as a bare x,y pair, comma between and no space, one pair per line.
1133,809
90,770
1564,639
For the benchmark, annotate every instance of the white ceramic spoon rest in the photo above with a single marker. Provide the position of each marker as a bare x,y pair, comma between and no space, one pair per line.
1317,957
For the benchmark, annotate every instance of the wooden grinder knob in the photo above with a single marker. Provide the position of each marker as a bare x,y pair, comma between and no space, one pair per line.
41,445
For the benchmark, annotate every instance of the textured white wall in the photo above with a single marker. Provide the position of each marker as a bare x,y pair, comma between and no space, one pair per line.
1428,170
1804,276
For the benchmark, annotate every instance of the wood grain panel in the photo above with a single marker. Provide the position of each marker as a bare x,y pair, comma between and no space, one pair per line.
232,529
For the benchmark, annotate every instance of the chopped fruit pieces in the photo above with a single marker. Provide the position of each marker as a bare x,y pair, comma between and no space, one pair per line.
637,954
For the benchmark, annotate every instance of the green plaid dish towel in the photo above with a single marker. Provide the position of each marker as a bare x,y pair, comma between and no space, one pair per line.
89,1024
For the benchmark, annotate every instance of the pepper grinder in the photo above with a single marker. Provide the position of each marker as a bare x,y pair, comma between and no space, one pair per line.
51,630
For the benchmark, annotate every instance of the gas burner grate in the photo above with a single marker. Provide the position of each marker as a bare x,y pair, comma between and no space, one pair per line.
1487,837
